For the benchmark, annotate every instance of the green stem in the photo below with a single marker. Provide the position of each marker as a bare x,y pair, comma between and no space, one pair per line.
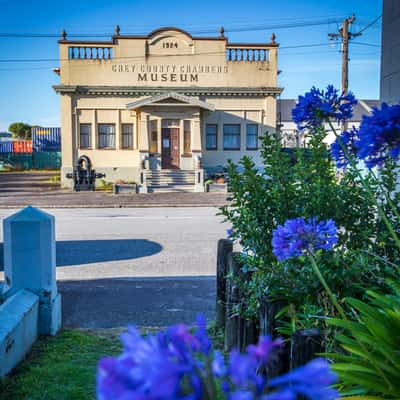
368,189
326,287
210,384
387,197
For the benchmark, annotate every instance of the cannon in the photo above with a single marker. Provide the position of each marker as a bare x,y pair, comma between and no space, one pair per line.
83,175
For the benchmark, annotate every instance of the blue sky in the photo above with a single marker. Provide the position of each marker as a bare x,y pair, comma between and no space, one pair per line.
26,87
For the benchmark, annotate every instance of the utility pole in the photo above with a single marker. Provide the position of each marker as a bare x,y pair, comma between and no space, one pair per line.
345,36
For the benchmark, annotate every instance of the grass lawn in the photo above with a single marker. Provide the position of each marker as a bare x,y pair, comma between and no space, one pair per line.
64,367
61,367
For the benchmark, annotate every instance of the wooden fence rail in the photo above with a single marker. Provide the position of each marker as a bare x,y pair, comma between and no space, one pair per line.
239,332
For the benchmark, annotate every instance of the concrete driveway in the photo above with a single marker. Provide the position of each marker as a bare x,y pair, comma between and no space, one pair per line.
148,266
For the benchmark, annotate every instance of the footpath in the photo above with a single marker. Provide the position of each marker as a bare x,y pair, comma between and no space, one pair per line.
21,189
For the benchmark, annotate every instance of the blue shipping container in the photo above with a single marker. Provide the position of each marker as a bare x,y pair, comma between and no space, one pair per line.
6,147
46,139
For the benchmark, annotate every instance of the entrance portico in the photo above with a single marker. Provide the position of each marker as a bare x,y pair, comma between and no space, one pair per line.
169,130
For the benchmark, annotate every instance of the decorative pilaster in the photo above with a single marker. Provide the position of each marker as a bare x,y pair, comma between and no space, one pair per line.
94,130
67,138
159,135
143,139
196,136
118,131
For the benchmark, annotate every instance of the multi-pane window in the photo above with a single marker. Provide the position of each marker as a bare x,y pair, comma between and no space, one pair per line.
153,136
187,146
127,136
85,133
106,136
251,136
232,137
211,136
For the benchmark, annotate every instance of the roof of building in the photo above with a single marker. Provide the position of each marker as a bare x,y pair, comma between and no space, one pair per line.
363,107
177,99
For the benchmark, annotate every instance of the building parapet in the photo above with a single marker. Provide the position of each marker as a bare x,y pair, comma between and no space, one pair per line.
103,50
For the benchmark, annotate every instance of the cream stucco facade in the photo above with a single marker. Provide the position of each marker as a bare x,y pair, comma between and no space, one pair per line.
164,101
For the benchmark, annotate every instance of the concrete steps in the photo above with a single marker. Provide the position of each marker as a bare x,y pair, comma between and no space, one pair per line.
170,181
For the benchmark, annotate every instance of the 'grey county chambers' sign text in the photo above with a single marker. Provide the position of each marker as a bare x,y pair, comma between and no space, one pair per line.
169,72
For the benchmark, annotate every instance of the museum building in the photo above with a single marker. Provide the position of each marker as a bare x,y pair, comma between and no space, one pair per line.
164,103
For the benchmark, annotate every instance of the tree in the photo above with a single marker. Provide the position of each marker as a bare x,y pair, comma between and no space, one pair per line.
20,130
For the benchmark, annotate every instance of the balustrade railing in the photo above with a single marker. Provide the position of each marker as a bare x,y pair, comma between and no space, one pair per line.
249,55
90,53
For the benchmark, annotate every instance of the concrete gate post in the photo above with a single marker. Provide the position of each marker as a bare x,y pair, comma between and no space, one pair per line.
30,263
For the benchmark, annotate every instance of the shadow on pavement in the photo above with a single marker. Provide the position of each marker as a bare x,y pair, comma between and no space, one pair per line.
78,252
112,303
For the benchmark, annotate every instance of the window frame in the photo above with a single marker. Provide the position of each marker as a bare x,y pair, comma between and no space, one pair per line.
216,137
123,135
230,134
89,125
247,135
113,134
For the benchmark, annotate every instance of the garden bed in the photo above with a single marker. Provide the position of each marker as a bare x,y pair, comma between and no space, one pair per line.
124,188
216,187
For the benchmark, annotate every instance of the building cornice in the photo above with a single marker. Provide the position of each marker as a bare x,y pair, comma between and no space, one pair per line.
152,91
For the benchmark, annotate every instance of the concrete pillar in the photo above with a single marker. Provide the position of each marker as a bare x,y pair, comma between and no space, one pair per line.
199,180
30,263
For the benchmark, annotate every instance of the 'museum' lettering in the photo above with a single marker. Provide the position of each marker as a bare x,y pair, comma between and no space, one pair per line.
145,77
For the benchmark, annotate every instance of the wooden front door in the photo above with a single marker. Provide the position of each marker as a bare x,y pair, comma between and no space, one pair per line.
170,148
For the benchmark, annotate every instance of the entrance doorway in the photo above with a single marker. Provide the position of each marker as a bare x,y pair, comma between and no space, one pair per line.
170,144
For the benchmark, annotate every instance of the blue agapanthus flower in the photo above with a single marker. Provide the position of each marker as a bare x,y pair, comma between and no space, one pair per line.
179,364
379,135
318,106
298,236
348,140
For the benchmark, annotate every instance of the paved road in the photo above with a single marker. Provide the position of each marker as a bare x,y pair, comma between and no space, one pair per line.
149,266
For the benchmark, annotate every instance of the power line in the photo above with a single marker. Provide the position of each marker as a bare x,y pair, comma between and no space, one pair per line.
16,60
243,28
367,44
371,24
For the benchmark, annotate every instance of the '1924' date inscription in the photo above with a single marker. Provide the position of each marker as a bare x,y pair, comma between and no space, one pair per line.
170,45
